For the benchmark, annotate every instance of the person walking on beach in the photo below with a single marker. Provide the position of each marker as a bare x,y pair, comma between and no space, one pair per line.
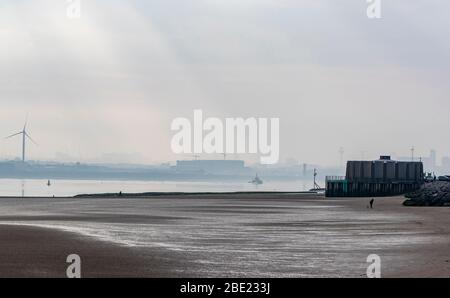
371,203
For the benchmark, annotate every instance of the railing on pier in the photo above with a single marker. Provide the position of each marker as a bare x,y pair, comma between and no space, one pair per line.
334,178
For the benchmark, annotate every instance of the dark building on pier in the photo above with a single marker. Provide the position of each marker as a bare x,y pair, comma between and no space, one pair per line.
383,177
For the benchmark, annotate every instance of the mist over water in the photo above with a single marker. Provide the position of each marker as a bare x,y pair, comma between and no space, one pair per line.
64,188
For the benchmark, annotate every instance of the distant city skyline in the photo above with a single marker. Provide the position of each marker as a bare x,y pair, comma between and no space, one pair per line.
432,161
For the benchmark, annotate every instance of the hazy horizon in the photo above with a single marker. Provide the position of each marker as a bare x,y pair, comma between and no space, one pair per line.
110,83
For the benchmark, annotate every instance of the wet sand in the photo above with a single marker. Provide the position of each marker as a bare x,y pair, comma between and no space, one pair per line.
27,251
30,252
430,259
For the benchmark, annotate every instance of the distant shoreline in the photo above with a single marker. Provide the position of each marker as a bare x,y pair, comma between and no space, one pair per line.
162,194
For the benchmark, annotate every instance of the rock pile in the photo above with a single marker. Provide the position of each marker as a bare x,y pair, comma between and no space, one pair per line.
435,193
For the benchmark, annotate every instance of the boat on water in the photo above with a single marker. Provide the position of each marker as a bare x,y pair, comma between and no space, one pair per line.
256,181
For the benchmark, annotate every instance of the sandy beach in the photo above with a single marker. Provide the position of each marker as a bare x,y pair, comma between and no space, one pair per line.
37,252
267,235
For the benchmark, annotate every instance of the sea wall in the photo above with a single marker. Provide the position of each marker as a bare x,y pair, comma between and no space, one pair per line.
430,194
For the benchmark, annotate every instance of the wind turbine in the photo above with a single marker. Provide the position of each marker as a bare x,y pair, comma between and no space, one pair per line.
25,135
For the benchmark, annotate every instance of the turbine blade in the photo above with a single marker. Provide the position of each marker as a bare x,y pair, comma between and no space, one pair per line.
26,123
13,135
31,138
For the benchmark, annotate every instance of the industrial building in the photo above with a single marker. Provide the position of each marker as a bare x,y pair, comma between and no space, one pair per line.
383,177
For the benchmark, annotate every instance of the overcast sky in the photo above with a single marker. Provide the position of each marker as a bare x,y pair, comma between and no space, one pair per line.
107,86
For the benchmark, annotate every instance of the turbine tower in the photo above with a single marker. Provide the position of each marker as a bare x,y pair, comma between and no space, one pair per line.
25,135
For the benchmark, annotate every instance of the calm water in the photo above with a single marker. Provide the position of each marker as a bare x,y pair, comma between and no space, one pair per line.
20,188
